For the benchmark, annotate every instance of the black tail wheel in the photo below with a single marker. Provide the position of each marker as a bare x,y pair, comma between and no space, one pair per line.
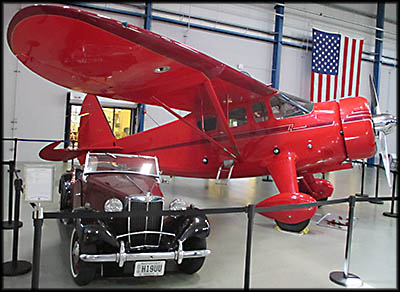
297,227
191,266
81,272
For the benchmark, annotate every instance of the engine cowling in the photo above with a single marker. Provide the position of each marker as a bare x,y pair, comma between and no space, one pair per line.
357,126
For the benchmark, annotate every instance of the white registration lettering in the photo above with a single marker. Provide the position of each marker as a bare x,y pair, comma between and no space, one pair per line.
149,268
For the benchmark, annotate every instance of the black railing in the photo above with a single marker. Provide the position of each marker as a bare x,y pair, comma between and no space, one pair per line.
250,210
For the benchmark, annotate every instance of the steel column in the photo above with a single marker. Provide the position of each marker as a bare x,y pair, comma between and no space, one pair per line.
276,57
378,45
147,20
380,20
147,25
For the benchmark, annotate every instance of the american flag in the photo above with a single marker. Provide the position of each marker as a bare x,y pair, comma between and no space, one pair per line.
336,64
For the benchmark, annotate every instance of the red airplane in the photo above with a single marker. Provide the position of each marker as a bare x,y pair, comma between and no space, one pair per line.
237,126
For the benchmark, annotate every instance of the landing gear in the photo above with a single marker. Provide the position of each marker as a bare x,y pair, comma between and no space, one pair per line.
297,227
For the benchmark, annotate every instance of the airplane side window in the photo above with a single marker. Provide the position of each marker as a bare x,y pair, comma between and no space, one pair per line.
210,123
259,112
237,117
285,106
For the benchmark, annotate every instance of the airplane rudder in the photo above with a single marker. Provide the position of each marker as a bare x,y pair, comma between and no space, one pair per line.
94,128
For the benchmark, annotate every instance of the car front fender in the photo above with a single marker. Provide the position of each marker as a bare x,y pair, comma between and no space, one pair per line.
195,226
96,233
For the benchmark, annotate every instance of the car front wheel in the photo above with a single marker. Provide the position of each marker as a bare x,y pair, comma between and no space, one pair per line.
190,266
81,272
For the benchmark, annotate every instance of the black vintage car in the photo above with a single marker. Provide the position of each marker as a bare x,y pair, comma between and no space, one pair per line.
135,246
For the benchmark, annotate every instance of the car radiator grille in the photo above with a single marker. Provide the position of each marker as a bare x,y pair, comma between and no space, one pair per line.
142,224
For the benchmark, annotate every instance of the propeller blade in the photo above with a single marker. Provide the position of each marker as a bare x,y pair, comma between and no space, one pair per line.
374,97
385,158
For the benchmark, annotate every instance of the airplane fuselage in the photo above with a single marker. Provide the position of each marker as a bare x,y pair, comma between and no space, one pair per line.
320,141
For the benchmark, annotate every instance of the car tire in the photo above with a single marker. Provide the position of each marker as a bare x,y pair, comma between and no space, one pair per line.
64,207
81,272
65,197
190,266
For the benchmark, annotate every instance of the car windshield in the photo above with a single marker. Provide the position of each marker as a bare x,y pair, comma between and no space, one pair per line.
109,162
285,105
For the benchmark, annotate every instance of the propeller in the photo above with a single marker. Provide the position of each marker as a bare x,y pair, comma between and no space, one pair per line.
384,124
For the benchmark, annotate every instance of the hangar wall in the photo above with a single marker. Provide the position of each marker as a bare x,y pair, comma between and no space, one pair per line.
35,108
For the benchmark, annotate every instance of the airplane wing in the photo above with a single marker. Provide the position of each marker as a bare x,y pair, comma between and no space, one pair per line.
95,54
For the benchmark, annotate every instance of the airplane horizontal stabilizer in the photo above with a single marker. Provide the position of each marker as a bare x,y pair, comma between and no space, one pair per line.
49,153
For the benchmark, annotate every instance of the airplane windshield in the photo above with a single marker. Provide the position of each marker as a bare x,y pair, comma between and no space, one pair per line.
285,105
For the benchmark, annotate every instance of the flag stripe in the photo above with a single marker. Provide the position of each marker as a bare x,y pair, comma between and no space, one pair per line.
328,88
312,87
316,88
359,67
320,88
351,65
335,92
346,40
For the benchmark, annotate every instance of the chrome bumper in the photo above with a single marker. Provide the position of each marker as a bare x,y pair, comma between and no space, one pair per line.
123,257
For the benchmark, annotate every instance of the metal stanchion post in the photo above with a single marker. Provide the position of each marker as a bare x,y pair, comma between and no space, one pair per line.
376,200
10,192
250,216
345,278
16,267
37,237
10,224
391,213
361,194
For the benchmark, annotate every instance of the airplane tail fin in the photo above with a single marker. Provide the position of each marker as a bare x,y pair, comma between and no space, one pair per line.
94,130
95,134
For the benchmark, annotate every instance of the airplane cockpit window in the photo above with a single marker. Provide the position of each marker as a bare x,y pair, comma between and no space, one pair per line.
237,117
259,111
284,105
210,123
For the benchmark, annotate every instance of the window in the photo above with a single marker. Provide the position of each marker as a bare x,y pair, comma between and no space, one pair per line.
259,111
210,123
119,120
284,105
237,117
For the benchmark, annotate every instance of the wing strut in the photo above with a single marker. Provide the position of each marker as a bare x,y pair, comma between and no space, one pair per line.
195,128
214,99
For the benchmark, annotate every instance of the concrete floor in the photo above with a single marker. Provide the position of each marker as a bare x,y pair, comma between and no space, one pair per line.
279,260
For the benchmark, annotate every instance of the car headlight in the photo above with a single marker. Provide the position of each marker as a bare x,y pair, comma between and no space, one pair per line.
177,205
113,205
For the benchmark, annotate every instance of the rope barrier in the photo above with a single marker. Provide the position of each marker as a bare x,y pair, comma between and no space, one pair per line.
39,216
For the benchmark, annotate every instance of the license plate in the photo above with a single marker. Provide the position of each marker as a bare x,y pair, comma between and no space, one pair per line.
149,268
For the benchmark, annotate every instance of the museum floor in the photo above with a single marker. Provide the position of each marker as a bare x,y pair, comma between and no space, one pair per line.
279,260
